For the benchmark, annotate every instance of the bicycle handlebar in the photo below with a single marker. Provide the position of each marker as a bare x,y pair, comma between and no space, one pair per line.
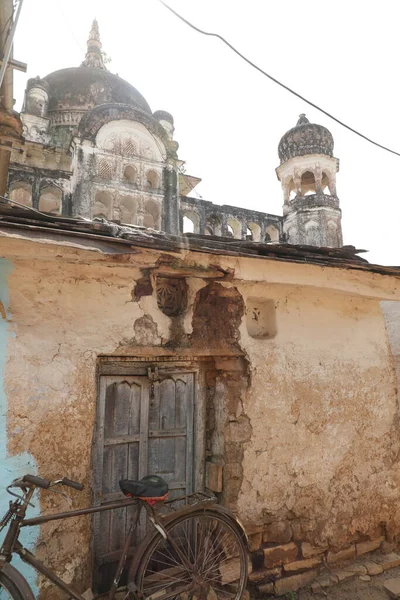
73,484
38,481
45,484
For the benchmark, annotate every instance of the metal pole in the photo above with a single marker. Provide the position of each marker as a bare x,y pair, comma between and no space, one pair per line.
9,43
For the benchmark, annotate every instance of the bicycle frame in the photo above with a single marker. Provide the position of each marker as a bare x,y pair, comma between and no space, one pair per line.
12,545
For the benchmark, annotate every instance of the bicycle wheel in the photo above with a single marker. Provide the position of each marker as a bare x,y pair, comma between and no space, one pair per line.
203,558
8,589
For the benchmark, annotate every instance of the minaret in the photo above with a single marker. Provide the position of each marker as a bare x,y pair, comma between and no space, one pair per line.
94,57
311,213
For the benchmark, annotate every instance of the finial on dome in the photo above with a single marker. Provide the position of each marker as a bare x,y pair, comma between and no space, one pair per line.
94,57
302,120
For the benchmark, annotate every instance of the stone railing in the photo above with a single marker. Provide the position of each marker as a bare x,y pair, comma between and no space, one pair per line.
65,117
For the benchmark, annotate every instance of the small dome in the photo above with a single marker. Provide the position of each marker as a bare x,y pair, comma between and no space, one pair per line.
86,87
305,138
163,115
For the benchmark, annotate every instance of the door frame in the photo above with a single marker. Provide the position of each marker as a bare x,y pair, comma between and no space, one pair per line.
138,366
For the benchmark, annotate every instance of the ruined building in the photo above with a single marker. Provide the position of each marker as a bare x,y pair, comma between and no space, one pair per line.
264,372
93,148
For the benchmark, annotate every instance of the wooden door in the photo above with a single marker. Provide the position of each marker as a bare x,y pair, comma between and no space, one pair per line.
144,427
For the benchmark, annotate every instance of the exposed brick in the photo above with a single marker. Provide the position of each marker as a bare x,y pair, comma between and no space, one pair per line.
280,555
364,547
356,569
265,576
255,541
251,529
310,551
291,584
214,476
342,555
267,589
373,568
302,565
230,364
342,574
279,532
389,561
393,587
240,430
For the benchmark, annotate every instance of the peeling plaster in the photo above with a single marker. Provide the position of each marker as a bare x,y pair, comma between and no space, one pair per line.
20,464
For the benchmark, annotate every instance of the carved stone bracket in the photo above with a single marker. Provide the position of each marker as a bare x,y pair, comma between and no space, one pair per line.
171,295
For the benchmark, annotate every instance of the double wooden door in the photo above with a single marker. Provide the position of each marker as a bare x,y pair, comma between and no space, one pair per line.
144,427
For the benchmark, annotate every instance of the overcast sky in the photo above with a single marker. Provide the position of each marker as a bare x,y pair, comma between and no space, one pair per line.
343,56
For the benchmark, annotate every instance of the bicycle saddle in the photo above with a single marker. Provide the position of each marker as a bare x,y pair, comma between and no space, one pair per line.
151,486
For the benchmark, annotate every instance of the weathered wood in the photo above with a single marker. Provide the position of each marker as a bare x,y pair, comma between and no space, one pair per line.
142,433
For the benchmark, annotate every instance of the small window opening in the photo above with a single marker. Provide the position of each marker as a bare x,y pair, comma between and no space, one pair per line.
152,180
130,174
188,225
308,186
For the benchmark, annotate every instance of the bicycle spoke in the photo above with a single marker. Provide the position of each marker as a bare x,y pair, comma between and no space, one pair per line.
4,594
213,550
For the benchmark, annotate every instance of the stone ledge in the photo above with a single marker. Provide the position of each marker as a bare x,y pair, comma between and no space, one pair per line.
282,583
280,555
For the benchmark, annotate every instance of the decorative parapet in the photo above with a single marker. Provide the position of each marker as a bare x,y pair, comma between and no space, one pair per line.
68,117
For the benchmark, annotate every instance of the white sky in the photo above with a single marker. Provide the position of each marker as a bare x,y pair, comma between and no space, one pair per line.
342,55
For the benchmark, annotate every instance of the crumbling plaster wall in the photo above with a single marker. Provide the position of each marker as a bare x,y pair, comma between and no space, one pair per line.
63,316
307,423
325,440
391,312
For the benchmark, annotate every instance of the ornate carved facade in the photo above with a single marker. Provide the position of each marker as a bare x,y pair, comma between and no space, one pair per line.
93,148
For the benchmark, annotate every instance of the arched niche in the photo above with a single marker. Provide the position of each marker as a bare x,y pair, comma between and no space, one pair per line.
152,180
130,138
236,227
102,206
191,222
332,235
50,200
313,234
130,174
21,192
293,235
308,186
273,233
151,215
128,209
255,231
213,225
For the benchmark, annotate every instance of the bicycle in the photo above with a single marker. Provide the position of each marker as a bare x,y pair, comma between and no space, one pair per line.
198,552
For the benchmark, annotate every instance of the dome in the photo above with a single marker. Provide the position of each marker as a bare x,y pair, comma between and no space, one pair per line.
305,138
86,87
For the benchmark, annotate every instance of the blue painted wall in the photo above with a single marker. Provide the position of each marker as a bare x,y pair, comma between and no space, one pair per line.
12,466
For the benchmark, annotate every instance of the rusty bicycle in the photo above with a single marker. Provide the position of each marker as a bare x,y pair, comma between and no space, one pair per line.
198,552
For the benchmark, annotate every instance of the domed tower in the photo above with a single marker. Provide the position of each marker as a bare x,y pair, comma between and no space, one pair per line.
95,149
311,213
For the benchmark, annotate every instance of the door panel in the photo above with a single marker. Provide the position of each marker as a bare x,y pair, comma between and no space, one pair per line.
143,427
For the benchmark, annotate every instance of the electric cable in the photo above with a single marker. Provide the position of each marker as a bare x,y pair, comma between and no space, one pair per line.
287,88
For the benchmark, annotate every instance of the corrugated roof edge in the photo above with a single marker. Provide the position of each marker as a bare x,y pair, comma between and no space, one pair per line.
103,234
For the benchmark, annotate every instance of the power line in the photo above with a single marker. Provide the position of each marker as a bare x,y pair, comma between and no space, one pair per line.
236,51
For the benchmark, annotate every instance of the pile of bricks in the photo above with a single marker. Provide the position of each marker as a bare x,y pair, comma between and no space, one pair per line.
280,563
